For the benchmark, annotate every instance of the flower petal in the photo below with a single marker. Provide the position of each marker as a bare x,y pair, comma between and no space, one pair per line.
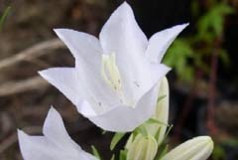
36,147
85,48
121,35
78,87
160,42
54,145
67,81
148,79
54,130
126,118
198,148
88,53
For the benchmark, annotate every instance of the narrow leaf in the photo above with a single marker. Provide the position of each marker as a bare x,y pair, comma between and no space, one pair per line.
116,138
95,152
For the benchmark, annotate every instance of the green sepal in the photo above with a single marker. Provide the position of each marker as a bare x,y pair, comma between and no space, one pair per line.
142,130
153,120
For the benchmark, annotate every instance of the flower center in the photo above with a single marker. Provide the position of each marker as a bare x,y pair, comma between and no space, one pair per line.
111,75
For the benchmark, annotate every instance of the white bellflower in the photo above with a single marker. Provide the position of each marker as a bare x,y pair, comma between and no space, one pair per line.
115,79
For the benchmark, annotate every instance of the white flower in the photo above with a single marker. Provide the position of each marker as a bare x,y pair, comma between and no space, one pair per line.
198,148
115,81
54,145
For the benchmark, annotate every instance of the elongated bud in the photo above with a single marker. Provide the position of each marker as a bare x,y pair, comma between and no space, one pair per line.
142,148
198,148
162,112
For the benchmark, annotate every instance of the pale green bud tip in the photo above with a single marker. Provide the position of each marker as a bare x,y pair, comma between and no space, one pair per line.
198,148
142,148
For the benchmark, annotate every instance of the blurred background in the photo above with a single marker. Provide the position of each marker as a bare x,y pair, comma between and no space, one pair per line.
203,82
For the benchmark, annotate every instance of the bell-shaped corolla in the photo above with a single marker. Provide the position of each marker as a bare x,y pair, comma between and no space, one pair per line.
115,79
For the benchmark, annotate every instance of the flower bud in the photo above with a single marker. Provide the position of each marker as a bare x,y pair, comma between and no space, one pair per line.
162,112
198,148
142,148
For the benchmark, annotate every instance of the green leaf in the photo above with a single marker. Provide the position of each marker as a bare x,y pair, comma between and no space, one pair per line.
180,50
116,138
95,152
213,21
188,74
4,16
178,57
123,154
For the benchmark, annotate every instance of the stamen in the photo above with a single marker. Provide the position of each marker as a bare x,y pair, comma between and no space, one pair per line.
111,74
110,71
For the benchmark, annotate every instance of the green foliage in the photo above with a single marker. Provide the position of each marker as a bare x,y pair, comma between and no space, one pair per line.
177,58
188,54
116,138
211,24
218,153
123,154
4,16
